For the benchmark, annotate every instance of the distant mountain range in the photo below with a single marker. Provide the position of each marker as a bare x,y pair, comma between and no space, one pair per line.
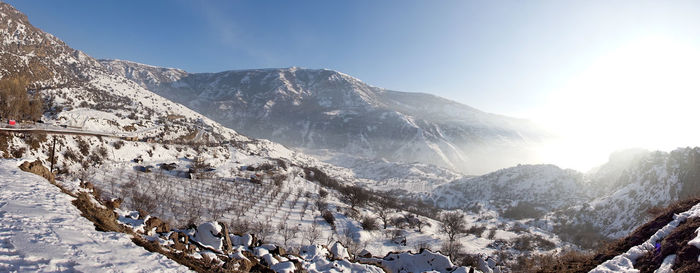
319,109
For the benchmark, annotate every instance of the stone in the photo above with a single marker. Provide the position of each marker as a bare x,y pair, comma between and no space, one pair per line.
37,168
154,222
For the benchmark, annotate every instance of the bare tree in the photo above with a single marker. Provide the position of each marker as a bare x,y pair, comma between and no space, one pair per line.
384,213
347,238
288,233
263,229
356,195
453,225
312,233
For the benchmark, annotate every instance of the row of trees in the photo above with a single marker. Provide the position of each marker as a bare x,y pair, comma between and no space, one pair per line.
16,102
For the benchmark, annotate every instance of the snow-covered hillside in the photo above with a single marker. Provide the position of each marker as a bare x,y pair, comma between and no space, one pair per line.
536,189
581,208
41,231
325,109
654,179
169,162
212,172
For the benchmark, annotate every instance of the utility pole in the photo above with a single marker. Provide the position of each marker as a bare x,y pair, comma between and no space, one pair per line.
53,153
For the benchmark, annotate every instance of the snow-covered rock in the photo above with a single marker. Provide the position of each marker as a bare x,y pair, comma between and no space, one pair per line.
209,235
339,251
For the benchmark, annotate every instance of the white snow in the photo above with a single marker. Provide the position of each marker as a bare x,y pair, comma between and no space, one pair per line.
209,235
667,264
425,261
339,251
41,231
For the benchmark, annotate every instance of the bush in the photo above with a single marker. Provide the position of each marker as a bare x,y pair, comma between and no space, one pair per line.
35,140
17,101
83,146
328,216
314,174
278,180
70,154
101,151
370,223
476,230
532,242
118,144
18,153
522,211
492,234
96,159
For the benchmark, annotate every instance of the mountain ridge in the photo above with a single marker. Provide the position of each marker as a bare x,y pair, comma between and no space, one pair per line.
339,112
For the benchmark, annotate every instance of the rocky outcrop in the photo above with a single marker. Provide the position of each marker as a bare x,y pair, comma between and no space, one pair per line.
37,168
159,225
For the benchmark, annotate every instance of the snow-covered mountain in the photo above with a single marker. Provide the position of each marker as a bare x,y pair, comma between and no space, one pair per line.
115,139
653,179
325,109
367,136
610,201
532,189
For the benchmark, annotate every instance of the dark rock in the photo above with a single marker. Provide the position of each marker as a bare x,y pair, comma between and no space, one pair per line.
37,168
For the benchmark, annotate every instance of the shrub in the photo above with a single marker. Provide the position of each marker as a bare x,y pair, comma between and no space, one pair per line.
5,142
323,193
101,151
370,223
522,210
476,230
240,226
70,154
328,216
17,153
95,158
532,242
83,146
492,234
278,180
35,140
118,144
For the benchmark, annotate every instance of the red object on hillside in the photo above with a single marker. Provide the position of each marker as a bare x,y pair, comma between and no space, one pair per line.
12,122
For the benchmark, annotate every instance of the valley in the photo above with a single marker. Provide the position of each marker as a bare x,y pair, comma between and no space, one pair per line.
293,170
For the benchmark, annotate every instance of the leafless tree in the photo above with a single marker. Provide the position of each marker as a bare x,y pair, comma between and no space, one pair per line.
263,229
384,213
312,233
453,225
288,233
356,195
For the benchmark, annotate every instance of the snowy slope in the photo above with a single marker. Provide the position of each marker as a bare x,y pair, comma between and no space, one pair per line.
541,187
147,131
325,109
656,179
568,202
626,261
41,231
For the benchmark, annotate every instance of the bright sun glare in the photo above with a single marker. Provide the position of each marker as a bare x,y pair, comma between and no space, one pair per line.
642,94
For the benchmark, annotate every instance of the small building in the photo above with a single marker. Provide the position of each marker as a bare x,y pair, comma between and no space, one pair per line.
12,122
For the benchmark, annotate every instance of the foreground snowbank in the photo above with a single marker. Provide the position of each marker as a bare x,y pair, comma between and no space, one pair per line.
41,231
625,261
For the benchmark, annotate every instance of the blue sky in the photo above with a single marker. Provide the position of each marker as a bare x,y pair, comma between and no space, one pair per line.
497,56
580,67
